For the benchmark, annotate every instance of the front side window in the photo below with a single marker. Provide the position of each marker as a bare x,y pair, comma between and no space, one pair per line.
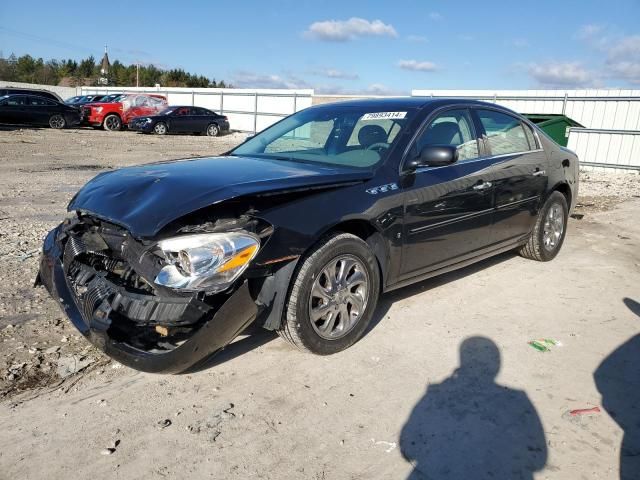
504,133
349,136
454,128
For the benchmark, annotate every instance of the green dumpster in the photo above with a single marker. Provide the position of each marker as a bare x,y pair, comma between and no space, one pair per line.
556,126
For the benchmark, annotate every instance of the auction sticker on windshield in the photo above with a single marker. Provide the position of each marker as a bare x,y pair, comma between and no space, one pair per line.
383,115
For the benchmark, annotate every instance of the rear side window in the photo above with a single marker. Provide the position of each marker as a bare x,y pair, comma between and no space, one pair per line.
39,101
452,127
505,133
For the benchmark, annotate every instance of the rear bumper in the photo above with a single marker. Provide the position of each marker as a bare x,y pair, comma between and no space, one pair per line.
233,316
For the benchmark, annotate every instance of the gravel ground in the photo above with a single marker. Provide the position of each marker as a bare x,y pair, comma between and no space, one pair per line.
263,411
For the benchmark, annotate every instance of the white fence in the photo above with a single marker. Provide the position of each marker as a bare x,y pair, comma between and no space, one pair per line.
249,110
611,137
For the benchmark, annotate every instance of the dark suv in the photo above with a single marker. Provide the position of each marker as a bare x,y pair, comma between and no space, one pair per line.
30,91
303,226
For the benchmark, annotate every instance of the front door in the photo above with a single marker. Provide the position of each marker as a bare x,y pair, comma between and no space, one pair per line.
520,176
448,210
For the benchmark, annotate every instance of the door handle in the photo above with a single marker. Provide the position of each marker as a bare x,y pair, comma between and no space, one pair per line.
482,186
539,173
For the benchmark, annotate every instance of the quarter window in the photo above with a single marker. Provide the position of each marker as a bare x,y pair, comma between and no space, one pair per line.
505,133
453,127
533,145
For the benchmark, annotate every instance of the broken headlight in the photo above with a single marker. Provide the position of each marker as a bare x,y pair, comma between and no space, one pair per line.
209,262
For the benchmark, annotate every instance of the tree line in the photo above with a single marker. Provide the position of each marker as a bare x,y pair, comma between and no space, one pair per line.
35,70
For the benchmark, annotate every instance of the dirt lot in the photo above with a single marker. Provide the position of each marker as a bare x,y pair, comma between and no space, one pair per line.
266,411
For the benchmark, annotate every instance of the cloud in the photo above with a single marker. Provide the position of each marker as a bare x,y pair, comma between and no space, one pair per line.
246,79
623,59
590,31
382,89
334,73
345,30
416,66
561,74
435,16
417,39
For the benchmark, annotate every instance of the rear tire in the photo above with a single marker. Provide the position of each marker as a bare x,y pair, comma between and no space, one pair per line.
57,121
112,123
160,128
332,297
213,130
549,231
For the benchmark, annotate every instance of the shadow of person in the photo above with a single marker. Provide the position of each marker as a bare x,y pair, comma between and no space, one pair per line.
470,427
618,381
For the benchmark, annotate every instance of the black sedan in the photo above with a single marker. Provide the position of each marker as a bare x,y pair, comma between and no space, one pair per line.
180,119
37,111
82,99
303,226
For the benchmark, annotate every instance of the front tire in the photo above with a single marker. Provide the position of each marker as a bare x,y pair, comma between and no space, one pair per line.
160,128
57,121
112,123
333,296
549,231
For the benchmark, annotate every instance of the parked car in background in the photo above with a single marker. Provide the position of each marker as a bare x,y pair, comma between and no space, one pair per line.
37,111
182,119
115,112
82,99
30,91
303,226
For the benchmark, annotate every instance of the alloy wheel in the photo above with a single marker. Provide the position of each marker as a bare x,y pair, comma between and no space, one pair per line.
112,123
212,130
339,297
160,129
553,227
56,121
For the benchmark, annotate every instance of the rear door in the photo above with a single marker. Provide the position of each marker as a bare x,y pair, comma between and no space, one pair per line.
520,172
180,120
448,209
39,109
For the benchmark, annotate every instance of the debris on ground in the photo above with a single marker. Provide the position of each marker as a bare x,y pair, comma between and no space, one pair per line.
212,425
72,364
544,344
584,411
164,423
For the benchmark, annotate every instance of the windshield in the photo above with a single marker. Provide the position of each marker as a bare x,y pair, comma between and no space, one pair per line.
167,111
114,97
356,137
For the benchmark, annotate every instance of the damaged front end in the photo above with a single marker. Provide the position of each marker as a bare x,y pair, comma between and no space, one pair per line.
154,306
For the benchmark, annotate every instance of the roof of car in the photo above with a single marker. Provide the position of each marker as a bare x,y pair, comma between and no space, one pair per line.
393,103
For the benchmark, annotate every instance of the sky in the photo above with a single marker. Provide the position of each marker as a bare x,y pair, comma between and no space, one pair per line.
342,47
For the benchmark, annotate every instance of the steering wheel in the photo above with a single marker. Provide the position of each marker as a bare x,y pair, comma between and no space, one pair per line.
378,145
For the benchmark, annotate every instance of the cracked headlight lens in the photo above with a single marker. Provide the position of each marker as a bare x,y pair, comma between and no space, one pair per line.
210,262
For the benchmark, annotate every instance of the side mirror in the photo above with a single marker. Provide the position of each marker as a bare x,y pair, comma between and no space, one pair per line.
434,156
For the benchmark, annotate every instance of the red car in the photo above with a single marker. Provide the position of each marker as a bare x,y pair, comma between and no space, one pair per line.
115,113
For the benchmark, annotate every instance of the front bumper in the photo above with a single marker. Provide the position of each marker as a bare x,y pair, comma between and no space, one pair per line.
234,315
140,127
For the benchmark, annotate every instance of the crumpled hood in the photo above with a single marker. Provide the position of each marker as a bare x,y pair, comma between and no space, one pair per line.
146,198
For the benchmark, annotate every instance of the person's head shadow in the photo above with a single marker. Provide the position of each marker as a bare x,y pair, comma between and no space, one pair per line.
470,427
618,381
